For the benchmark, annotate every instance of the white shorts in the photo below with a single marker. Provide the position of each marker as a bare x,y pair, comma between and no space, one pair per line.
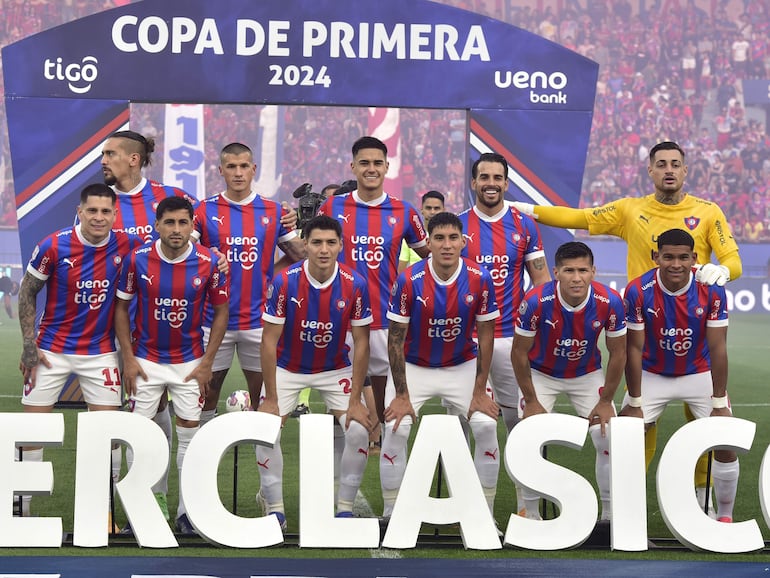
454,385
379,363
658,390
334,386
99,378
187,397
246,343
583,391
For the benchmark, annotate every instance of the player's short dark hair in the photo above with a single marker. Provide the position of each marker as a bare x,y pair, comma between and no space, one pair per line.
445,219
666,145
322,223
676,237
97,190
433,195
573,250
369,142
138,144
173,203
489,158
234,148
330,186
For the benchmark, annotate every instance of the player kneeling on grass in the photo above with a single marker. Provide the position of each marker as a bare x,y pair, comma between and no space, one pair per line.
677,349
556,350
309,308
434,307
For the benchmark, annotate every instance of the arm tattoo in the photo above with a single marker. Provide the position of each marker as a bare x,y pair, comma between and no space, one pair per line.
539,263
30,287
396,338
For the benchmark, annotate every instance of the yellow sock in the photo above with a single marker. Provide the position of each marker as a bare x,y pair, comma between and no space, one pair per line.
304,397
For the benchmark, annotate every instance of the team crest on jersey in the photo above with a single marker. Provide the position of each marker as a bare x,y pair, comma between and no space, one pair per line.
270,291
155,206
116,260
394,289
699,311
341,304
469,299
522,308
516,237
265,220
197,281
691,222
596,324
392,220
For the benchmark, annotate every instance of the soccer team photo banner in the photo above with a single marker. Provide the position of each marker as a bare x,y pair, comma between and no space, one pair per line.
69,87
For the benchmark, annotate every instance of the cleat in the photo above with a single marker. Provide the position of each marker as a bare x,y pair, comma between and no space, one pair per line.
344,515
500,533
301,409
725,519
160,497
281,520
184,526
127,530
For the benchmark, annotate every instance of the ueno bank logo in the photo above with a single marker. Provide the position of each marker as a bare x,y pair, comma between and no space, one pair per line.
78,75
544,88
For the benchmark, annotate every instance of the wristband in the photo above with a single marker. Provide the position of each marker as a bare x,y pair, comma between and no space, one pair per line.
719,402
635,401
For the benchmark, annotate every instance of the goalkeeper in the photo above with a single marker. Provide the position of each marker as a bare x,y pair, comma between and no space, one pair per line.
639,221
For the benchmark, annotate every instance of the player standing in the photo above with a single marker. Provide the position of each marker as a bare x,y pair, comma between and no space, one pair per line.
373,226
172,279
309,309
435,306
247,229
79,268
556,351
677,349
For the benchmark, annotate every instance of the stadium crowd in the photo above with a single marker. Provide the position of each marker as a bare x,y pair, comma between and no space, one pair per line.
676,78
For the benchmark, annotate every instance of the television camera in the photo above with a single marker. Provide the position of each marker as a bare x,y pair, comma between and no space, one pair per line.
310,201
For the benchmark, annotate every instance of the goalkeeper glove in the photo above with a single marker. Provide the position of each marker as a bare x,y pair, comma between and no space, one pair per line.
710,274
525,208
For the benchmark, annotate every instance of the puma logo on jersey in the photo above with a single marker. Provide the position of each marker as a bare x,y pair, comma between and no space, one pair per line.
343,217
469,237
552,323
653,311
218,220
423,300
223,292
645,219
297,301
148,279
69,262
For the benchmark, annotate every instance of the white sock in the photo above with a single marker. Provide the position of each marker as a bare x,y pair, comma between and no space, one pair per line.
339,448
486,454
270,466
510,417
725,486
353,464
602,468
183,437
700,495
163,419
393,462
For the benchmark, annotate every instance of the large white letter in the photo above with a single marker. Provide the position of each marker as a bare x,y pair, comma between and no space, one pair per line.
97,430
676,496
318,528
31,478
572,493
440,436
628,484
199,487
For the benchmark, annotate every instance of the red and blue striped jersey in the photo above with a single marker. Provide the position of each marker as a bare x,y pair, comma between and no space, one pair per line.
566,337
316,317
372,235
674,324
80,290
171,296
135,211
442,315
247,232
503,243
